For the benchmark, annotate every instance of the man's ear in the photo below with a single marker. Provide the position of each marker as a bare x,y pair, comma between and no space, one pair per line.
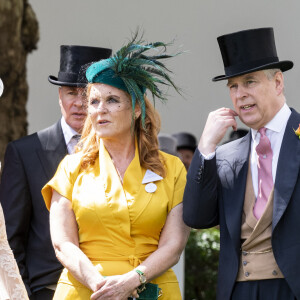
279,82
59,95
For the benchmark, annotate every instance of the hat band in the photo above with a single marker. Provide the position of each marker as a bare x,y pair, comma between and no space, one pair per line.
71,77
109,77
238,68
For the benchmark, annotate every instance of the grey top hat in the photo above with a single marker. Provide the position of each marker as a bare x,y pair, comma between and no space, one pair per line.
167,143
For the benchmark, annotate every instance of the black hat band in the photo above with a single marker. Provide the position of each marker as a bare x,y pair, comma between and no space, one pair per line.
233,69
70,77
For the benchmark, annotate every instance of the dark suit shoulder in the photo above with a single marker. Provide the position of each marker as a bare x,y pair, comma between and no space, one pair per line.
37,140
26,143
54,127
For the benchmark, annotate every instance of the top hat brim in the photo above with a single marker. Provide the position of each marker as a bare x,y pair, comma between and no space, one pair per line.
284,65
52,79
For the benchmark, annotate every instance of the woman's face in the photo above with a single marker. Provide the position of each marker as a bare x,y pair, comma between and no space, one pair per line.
110,111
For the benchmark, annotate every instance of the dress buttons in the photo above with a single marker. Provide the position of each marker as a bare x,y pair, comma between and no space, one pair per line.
245,253
245,263
274,273
247,274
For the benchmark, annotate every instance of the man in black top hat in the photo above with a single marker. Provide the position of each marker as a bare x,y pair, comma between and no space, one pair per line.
30,162
251,186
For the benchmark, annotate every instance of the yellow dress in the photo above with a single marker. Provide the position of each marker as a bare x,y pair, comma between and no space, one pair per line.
118,225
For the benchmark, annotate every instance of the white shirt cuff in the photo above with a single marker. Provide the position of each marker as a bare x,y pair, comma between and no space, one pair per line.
209,156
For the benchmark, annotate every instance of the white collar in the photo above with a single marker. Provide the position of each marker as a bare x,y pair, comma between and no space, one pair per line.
67,130
278,122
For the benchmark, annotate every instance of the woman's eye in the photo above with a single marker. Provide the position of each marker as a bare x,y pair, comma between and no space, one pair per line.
94,101
112,100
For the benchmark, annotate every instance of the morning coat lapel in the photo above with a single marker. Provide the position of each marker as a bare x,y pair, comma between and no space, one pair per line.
234,178
53,148
287,168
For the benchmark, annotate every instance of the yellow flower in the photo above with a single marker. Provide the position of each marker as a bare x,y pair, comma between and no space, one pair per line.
297,132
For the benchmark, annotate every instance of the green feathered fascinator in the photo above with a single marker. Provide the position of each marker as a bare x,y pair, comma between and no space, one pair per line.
133,71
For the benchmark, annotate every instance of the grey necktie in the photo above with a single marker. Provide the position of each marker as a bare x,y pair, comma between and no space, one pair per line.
73,142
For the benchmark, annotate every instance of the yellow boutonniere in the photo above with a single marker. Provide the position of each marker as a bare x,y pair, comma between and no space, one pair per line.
297,132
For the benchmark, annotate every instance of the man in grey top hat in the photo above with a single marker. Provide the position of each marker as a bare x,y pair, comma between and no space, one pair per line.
167,143
30,163
251,186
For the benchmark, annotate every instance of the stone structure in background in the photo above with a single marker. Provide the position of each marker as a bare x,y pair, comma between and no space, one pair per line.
19,35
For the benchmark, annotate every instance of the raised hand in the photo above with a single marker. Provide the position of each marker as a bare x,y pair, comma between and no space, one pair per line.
217,123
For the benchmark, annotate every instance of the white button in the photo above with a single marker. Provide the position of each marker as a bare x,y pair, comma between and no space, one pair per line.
150,187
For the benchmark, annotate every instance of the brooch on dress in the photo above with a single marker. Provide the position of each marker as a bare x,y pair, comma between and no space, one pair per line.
149,177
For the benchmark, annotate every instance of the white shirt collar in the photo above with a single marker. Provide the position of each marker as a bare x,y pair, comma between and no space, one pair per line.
278,123
67,130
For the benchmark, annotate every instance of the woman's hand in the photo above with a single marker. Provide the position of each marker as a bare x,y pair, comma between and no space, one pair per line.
118,287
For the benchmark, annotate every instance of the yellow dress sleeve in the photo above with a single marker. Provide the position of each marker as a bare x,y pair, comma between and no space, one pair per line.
63,180
179,173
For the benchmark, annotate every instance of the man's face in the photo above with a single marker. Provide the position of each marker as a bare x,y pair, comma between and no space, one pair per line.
186,156
256,98
72,104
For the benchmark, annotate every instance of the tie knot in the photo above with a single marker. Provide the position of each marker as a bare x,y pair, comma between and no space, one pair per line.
264,146
262,131
76,137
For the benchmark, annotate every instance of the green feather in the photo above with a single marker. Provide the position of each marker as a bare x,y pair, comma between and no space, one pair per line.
140,71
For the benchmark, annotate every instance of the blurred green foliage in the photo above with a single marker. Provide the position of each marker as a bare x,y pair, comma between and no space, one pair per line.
201,264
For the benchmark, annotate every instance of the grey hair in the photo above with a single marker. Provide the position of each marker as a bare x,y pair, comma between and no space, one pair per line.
270,73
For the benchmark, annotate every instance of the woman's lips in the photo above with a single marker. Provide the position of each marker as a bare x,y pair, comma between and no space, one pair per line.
103,122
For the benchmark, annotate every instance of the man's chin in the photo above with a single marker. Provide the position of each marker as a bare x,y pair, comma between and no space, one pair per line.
251,124
77,126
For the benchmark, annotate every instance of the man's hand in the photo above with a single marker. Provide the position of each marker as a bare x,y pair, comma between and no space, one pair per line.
215,128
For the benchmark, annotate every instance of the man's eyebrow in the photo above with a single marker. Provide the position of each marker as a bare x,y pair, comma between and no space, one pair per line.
249,77
246,77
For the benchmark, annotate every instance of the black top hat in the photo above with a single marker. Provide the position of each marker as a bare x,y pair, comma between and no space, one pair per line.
72,58
185,141
248,51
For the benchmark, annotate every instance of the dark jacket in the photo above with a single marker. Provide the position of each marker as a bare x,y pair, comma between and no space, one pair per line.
29,164
215,194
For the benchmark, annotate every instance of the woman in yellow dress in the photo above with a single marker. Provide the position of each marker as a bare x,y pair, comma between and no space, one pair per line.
115,205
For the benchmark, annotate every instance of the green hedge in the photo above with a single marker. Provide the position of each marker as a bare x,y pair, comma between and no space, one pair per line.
201,264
